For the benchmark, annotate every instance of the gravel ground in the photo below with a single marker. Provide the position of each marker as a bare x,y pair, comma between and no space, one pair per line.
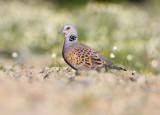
34,88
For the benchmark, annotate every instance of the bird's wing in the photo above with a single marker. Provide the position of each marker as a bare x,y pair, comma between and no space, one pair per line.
82,58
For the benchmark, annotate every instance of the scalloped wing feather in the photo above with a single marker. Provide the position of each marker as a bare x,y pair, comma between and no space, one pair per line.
82,58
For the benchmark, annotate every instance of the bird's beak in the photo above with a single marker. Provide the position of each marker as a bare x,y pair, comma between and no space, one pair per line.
60,32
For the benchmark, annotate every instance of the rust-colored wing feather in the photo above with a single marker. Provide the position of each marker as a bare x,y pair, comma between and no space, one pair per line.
82,58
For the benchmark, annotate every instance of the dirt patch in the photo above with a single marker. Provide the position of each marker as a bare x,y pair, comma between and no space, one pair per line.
32,89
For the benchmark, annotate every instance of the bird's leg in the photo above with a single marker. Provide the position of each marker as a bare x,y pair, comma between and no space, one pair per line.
77,72
80,72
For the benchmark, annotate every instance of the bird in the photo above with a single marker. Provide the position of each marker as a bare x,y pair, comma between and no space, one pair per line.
81,57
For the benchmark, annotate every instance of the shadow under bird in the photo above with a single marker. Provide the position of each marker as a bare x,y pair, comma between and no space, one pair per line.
81,57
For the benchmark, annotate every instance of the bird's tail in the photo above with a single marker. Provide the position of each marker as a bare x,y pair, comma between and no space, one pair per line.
118,68
111,66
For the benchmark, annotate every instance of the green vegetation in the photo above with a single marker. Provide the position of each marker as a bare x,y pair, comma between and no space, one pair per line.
129,31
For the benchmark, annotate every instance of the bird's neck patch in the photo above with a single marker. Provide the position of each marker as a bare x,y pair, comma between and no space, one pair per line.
72,37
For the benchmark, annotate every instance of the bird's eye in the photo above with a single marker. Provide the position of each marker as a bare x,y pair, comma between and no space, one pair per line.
68,28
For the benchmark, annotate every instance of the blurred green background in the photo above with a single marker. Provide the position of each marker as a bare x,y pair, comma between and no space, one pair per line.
125,31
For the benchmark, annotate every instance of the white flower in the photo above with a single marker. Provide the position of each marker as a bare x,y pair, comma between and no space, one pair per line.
114,48
129,57
112,55
154,63
54,55
14,54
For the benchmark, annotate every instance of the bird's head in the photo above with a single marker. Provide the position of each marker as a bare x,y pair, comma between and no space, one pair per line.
68,29
70,32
